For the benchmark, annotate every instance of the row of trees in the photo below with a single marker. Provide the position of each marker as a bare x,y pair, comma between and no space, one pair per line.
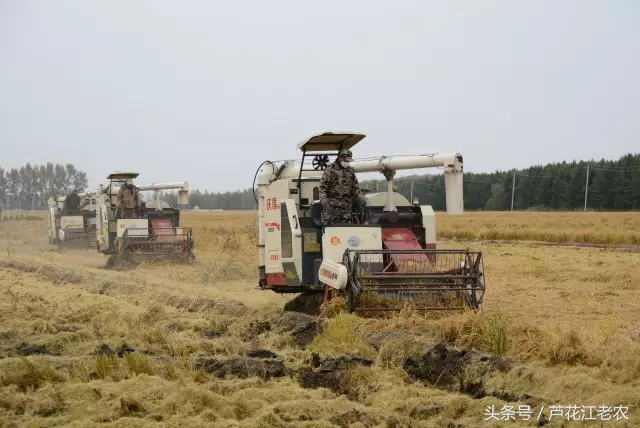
30,186
612,186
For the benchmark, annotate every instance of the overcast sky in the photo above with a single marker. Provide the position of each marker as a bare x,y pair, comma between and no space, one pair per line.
204,91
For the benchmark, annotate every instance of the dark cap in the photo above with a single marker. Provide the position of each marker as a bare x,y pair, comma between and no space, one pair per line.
346,155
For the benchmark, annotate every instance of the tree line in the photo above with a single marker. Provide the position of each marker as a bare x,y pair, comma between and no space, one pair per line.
30,186
613,185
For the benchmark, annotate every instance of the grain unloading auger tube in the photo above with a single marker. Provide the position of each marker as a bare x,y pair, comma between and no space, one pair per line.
425,279
386,250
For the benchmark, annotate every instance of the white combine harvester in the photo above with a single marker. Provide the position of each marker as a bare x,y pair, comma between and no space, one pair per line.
72,227
388,250
155,234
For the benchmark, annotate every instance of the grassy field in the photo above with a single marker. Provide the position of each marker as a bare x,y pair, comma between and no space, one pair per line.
167,345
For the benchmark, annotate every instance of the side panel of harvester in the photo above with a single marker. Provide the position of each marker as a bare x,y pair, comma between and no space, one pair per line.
53,224
338,239
106,228
282,237
133,226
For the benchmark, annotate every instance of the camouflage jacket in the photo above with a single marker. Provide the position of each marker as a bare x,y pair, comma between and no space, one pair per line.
128,199
71,203
339,185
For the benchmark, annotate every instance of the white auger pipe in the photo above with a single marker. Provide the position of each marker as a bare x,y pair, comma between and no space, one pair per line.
397,163
176,185
452,163
181,186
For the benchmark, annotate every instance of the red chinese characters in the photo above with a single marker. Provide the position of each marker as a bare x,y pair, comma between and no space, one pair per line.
272,204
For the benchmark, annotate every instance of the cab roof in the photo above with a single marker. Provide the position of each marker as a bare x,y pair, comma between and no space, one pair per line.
330,141
122,175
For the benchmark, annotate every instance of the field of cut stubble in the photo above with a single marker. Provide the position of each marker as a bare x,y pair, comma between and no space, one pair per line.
198,345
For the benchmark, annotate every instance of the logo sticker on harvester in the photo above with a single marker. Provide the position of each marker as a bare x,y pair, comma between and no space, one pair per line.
271,227
328,274
334,240
354,241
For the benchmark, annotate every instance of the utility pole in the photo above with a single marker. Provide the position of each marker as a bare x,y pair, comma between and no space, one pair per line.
586,190
513,189
411,191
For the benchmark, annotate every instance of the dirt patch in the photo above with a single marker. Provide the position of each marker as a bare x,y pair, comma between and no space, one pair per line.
261,353
302,327
513,398
377,339
242,367
25,350
222,307
212,334
331,372
254,329
51,273
120,351
353,417
444,365
458,370
306,303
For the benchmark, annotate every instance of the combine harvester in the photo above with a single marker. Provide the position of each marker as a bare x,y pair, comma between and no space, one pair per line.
386,256
156,233
72,227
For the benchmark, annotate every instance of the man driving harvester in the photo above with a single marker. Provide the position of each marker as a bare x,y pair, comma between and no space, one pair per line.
128,201
340,190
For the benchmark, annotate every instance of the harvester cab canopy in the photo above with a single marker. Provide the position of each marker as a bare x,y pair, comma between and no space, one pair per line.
330,142
120,176
321,146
